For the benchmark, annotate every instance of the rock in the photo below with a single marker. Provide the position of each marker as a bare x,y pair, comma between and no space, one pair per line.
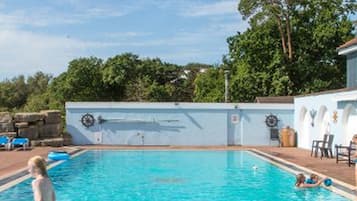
5,117
28,117
54,142
67,139
30,132
51,130
6,127
22,125
51,116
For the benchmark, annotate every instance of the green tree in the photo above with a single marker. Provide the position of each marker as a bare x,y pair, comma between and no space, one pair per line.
257,64
117,71
160,93
321,27
38,83
209,86
13,93
185,84
277,10
138,89
260,67
81,82
37,102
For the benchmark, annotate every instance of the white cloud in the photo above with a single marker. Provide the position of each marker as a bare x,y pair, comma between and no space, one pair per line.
203,36
26,52
128,34
19,18
97,12
219,8
186,55
46,16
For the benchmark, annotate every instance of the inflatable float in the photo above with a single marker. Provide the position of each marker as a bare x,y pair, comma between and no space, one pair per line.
328,182
58,155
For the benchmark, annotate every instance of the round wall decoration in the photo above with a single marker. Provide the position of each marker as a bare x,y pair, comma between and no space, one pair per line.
271,120
87,120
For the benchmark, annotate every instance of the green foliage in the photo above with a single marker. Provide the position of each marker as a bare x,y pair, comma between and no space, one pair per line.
209,86
258,65
83,80
38,83
16,93
13,94
185,84
160,92
120,68
138,89
37,103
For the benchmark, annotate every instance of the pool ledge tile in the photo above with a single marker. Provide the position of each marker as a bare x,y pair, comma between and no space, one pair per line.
22,174
339,187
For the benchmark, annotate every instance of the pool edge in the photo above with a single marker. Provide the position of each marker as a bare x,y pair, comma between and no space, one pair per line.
22,174
339,187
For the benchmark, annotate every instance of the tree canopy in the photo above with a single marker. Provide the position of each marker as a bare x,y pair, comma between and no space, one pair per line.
257,59
124,77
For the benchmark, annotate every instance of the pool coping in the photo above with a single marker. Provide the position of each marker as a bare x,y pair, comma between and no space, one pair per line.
344,189
11,179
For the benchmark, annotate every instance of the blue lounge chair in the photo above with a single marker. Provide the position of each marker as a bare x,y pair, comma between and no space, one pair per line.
22,142
4,142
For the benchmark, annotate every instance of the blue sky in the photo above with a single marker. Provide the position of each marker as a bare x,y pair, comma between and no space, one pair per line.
45,35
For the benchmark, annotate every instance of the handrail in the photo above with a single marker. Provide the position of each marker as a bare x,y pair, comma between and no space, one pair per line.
125,120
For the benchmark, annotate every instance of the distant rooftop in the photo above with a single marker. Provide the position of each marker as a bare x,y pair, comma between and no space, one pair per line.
348,43
333,91
275,99
347,48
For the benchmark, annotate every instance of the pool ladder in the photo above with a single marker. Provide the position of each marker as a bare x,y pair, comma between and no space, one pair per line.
142,137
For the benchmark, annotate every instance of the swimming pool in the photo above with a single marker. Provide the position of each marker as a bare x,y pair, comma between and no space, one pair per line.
170,175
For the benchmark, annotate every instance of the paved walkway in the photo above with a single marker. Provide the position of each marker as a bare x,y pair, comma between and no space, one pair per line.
13,161
326,166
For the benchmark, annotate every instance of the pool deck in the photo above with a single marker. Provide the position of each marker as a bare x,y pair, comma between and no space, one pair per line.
16,160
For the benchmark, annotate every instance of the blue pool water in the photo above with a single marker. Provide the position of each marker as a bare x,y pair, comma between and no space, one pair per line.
171,176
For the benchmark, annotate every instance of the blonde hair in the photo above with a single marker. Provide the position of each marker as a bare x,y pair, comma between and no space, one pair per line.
300,179
39,163
314,176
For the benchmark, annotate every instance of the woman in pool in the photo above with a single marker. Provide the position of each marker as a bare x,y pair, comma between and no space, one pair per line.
313,179
300,182
41,186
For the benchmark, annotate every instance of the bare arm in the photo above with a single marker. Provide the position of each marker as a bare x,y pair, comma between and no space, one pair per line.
311,185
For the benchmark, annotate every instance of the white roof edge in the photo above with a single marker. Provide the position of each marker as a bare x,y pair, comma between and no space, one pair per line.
178,105
346,97
347,50
276,106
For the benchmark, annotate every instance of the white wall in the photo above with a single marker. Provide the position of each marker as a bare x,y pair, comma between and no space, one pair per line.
202,124
327,106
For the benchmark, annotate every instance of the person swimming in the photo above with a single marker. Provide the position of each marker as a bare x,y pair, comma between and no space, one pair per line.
41,186
301,182
313,179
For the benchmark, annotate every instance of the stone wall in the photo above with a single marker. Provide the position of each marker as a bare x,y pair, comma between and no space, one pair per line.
6,124
45,125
